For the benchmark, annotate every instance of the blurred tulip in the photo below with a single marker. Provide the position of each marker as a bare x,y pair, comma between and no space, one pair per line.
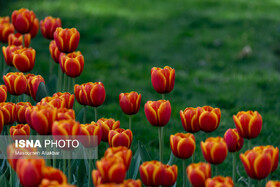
158,112
120,137
198,173
93,132
35,28
55,53
209,118
96,178
42,118
1,121
5,19
123,152
248,124
3,93
130,102
48,183
23,20
163,79
24,59
53,174
16,39
33,85
68,98
214,150
64,114
219,181
8,53
151,173
9,112
20,111
233,140
49,25
273,184
182,145
56,102
5,30
92,94
169,176
106,126
28,112
190,119
21,130
16,83
67,40
30,171
112,169
72,63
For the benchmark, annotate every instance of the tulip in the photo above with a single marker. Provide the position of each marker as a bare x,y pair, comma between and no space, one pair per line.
182,145
233,140
248,124
64,114
214,150
28,76
1,121
20,111
68,98
8,53
5,30
112,169
23,20
55,53
93,133
49,25
134,183
190,119
67,128
67,40
28,112
5,19
130,102
209,118
16,83
72,64
23,131
120,137
169,176
53,174
273,184
3,93
33,85
123,152
56,102
8,111
48,183
35,28
151,173
163,79
42,118
24,59
96,178
219,181
106,126
16,39
30,171
198,173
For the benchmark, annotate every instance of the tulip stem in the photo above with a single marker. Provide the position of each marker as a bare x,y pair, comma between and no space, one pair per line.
95,113
193,157
216,170
69,84
249,144
259,183
85,115
64,82
184,173
233,166
249,182
69,170
73,84
59,79
162,96
23,43
129,124
160,143
89,172
51,65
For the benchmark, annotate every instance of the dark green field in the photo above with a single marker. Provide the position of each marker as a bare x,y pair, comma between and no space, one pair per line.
203,40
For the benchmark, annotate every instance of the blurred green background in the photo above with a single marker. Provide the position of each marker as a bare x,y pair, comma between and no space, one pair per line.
225,53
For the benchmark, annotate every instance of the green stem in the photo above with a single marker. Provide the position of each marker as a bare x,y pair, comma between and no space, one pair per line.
129,124
48,160
50,66
249,182
184,173
216,170
159,142
69,170
16,99
249,179
249,144
95,114
59,79
85,115
73,85
69,84
23,43
89,172
162,96
162,142
233,167
259,183
64,82
193,157
64,163
54,162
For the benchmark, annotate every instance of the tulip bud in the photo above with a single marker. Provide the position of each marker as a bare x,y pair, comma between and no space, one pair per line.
3,93
49,25
248,124
8,111
214,150
163,79
55,53
219,181
23,20
64,114
169,176
158,112
5,30
56,102
67,40
273,184
67,97
24,59
35,28
8,53
123,152
182,145
16,39
151,173
16,83
130,102
120,137
20,111
72,63
198,173
106,126
209,118
33,85
90,130
233,140
20,130
190,119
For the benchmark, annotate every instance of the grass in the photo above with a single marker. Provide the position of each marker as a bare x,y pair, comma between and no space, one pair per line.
122,40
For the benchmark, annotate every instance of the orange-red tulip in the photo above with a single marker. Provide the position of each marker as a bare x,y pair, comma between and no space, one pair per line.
48,183
24,59
42,118
67,128
198,173
28,112
48,26
190,119
3,93
209,118
219,181
123,152
248,124
163,79
158,112
5,30
56,102
233,140
53,174
182,145
126,183
1,121
72,63
9,112
96,177
20,130
151,173
64,114
68,98
169,176
54,51
33,85
130,102
120,137
92,94
90,130
23,20
16,39
67,40
30,171
273,184
16,83
214,150
8,53
5,19
35,28
20,111
106,126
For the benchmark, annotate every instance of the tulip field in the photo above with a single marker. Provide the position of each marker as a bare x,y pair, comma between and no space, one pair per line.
168,93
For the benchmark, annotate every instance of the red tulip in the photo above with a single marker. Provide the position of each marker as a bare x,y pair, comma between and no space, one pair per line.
24,59
16,39
28,112
5,19
120,137
169,176
182,145
93,131
49,25
273,184
54,175
198,173
123,152
3,93
8,53
151,173
64,114
35,28
96,177
5,30
67,97
72,63
190,119
23,131
55,53
8,111
106,126
209,118
130,102
67,40
219,181
33,85
16,83
233,140
23,20
163,79
67,128
56,102
1,121
20,111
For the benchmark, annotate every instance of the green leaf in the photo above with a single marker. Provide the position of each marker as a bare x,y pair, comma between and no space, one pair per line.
52,84
80,115
41,92
171,159
134,165
145,156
